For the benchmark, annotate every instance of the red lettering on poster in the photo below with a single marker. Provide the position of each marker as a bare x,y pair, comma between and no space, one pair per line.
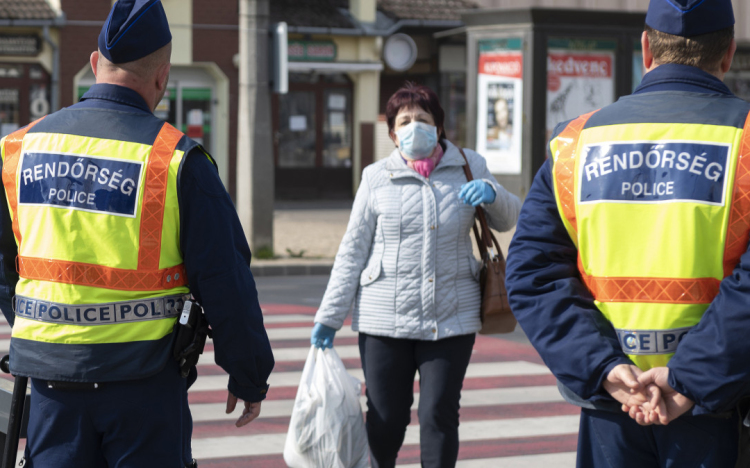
508,65
592,66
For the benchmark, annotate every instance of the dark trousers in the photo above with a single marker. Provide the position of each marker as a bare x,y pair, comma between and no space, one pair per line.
613,440
390,365
142,423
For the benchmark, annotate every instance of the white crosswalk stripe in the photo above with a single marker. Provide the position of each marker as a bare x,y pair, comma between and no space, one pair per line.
290,318
303,333
469,398
291,379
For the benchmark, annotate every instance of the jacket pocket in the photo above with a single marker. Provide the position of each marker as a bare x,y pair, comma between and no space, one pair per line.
372,272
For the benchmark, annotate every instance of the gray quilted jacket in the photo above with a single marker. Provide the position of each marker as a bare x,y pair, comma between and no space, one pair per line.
405,265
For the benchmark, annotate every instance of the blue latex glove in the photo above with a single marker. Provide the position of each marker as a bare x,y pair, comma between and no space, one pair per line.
475,192
322,336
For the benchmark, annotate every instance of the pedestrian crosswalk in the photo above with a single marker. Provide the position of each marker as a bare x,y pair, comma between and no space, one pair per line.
512,415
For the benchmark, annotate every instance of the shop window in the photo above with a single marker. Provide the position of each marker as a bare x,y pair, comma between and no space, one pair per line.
296,137
24,95
337,129
453,99
313,122
9,110
313,137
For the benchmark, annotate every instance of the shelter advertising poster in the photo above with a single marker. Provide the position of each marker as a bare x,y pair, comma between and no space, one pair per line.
500,104
580,78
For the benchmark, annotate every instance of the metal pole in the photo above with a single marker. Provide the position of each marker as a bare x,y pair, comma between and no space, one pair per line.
55,89
14,422
255,162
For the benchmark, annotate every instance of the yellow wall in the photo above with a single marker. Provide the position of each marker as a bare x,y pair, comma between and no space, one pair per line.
180,15
363,10
45,56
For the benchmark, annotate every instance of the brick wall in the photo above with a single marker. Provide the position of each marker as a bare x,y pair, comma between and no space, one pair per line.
77,42
220,46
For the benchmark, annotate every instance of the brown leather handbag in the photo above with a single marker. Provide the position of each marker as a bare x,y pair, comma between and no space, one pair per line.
495,311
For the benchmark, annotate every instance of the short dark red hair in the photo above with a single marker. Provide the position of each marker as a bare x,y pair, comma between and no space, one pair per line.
413,95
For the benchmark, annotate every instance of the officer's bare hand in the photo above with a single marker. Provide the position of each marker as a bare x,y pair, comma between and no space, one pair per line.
622,383
675,404
250,412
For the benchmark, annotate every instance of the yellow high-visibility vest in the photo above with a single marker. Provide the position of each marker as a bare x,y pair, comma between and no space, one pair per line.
660,214
96,221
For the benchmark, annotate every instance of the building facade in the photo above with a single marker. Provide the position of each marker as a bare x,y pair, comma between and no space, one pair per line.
202,93
741,8
29,61
346,58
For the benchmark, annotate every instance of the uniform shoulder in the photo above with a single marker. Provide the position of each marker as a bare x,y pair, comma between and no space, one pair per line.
674,107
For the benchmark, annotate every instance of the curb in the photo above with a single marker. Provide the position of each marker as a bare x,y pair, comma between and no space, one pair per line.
265,268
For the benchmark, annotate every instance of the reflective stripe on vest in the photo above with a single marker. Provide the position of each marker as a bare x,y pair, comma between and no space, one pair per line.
141,310
13,146
646,308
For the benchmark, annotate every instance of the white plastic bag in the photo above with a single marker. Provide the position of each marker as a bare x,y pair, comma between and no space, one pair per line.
327,429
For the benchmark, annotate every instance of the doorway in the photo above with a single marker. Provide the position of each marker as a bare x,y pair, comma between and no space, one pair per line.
312,128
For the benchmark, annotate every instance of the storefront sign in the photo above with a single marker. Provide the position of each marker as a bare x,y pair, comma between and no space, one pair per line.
500,104
312,51
580,78
23,45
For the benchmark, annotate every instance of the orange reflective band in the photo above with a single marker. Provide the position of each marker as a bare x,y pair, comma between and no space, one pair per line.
650,290
13,147
565,167
738,229
154,194
85,274
653,290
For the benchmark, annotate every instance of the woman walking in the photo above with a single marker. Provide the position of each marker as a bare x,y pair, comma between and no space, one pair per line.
406,269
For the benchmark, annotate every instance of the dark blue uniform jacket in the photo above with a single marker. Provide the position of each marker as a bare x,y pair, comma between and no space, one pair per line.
216,254
557,312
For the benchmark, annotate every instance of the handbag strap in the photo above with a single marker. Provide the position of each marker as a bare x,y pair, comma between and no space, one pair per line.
487,238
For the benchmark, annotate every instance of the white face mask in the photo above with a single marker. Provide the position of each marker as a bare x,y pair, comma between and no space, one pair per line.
417,140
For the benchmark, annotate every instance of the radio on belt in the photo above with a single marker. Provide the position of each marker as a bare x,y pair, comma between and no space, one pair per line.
186,313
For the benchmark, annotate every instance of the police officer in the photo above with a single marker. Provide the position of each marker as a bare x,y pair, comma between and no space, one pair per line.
629,252
117,218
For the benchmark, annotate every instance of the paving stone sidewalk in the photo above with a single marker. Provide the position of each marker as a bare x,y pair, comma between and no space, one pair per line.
307,236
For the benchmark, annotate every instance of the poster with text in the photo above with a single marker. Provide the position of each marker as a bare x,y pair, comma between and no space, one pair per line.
500,104
580,78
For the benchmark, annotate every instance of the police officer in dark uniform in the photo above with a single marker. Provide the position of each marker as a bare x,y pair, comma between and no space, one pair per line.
105,388
630,254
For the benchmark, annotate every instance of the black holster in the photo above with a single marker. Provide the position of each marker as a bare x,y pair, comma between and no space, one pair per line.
191,331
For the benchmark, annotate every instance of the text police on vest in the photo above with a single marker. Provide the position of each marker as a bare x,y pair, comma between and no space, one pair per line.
113,180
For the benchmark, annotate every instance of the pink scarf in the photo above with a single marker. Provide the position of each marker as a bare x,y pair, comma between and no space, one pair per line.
427,165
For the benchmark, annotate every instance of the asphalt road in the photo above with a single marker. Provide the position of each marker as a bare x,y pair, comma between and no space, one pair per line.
309,290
